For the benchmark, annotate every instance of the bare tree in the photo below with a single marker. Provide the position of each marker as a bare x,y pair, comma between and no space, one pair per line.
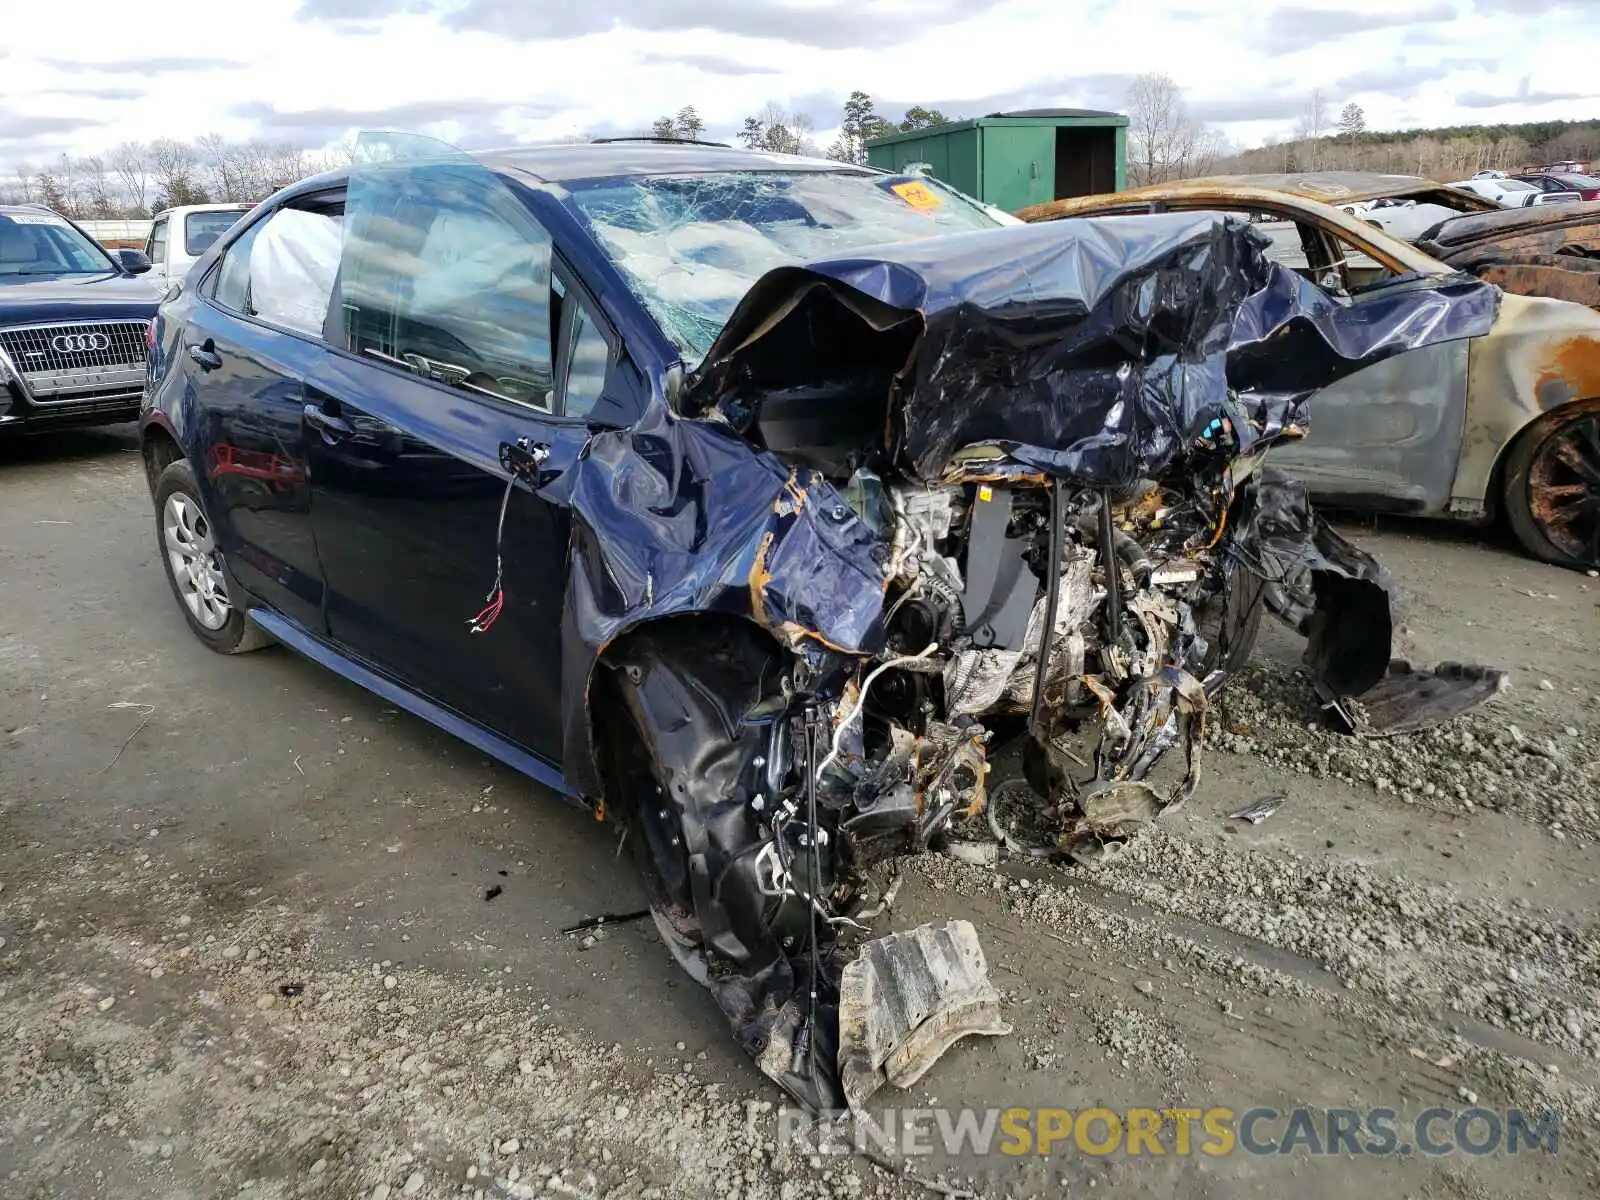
781,130
172,164
27,183
98,189
1313,125
131,162
67,178
1164,142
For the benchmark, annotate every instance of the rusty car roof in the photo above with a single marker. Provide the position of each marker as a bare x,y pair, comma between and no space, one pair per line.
1225,191
1330,187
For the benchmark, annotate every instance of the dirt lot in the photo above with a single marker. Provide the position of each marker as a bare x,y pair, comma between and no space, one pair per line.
245,945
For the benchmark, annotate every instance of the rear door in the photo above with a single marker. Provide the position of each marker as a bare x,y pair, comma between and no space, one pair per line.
441,573
1389,435
246,351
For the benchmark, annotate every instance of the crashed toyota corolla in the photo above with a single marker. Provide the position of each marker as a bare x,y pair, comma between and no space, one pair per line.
782,512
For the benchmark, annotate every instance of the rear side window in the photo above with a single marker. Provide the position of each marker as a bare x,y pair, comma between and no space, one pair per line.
231,283
281,270
201,229
158,241
448,276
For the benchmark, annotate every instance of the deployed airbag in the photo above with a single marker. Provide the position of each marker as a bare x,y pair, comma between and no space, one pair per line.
293,262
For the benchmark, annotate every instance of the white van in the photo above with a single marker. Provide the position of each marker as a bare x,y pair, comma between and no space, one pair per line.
179,236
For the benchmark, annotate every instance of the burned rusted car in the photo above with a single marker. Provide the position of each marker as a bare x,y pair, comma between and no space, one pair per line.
1551,251
1505,425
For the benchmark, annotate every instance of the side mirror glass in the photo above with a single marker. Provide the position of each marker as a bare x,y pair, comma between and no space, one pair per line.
134,262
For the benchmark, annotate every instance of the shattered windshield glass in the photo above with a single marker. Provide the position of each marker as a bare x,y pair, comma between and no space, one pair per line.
692,245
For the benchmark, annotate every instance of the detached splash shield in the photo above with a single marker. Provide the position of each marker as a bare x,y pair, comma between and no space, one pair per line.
1345,604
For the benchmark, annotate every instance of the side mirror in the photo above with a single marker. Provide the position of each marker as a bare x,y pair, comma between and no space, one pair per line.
134,262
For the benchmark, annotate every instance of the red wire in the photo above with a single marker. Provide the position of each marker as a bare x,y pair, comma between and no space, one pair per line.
490,613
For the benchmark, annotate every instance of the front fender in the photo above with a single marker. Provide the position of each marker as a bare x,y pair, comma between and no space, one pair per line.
679,516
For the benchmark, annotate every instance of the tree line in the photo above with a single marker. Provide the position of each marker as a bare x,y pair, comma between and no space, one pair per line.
138,179
1165,142
784,131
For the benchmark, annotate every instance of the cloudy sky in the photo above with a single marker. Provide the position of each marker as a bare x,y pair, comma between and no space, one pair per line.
81,75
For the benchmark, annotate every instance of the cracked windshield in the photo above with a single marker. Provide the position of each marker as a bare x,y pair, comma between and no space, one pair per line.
692,245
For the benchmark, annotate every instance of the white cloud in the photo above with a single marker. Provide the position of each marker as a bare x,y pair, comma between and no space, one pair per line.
482,71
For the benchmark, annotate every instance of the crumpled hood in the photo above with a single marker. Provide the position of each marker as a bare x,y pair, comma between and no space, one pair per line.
1096,349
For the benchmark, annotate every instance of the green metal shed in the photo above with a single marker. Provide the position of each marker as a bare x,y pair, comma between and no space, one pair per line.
1015,159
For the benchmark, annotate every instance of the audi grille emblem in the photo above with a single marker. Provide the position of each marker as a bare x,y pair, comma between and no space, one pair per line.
79,343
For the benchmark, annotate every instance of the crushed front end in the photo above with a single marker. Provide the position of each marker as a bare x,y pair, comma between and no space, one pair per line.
1004,525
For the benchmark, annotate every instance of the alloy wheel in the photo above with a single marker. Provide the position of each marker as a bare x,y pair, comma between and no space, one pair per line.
194,560
1564,489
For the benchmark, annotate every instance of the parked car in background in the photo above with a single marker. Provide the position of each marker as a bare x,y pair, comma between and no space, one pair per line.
1564,183
1506,425
1513,193
74,323
179,236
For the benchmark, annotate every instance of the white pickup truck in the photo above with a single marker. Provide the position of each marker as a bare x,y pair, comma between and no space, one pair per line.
179,236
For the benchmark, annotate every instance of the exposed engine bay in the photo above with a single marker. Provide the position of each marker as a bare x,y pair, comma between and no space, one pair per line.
1009,546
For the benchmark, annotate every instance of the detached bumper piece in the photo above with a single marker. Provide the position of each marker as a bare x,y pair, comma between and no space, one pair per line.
907,999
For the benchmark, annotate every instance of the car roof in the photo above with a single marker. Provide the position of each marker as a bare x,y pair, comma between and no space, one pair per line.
572,162
568,162
1330,187
1227,191
1473,226
229,206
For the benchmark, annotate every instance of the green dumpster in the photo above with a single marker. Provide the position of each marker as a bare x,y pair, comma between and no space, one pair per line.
1015,159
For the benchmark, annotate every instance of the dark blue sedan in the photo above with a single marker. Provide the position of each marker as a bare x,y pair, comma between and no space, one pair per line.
734,494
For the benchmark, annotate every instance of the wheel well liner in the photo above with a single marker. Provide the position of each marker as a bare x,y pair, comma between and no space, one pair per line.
685,629
159,450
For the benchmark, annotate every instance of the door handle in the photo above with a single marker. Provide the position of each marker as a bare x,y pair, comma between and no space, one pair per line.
205,355
332,427
523,457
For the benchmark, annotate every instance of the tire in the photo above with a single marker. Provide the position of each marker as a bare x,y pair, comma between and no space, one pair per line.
194,569
1551,487
1231,622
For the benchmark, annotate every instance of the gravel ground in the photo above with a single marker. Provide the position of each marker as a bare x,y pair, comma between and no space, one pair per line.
247,944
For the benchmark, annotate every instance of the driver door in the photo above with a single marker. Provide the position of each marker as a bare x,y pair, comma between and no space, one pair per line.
454,337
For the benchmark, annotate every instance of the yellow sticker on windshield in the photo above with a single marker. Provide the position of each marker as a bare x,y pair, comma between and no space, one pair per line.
918,195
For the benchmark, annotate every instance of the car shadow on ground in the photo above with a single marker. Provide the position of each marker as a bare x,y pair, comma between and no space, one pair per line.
99,441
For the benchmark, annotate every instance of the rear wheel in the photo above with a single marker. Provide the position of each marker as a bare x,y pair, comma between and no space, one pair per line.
193,564
1552,487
